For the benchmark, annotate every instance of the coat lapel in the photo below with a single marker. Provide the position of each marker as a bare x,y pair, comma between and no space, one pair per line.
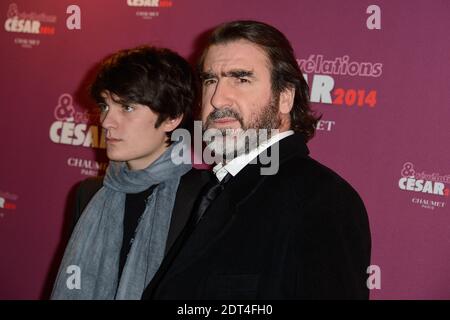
189,188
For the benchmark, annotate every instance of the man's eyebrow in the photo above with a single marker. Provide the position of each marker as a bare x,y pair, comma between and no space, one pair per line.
238,73
100,100
207,75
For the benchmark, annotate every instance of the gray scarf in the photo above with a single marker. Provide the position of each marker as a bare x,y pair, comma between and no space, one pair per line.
94,248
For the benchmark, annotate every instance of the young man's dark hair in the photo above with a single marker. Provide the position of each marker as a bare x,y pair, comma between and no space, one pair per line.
156,77
284,68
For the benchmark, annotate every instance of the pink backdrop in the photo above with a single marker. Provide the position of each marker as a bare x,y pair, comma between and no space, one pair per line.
381,82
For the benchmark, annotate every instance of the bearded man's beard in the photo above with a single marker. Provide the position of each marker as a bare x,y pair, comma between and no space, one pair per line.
227,144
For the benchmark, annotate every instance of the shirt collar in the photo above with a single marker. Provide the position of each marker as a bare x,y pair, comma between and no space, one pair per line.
237,164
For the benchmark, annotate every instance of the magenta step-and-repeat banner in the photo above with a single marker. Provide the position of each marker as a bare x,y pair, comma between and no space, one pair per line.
379,72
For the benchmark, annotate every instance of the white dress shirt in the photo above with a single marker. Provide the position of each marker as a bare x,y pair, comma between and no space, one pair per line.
237,164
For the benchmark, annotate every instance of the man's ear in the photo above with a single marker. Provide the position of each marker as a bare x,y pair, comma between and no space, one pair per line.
287,100
170,124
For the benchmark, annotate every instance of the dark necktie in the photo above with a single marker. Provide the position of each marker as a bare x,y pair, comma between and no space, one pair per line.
208,194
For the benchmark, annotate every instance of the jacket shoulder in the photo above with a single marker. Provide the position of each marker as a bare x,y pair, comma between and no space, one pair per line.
309,177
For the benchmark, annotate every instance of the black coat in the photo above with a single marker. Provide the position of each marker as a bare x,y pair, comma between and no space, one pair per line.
300,234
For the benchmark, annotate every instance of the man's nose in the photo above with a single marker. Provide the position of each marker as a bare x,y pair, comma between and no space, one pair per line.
109,119
222,96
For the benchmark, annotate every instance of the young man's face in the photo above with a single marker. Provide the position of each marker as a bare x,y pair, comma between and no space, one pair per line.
131,135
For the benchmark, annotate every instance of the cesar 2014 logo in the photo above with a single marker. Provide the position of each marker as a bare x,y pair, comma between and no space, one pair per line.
75,128
422,182
31,23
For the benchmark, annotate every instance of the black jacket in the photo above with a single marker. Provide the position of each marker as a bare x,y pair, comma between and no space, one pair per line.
300,234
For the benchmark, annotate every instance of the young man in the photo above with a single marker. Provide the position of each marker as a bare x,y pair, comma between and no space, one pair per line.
126,225
302,233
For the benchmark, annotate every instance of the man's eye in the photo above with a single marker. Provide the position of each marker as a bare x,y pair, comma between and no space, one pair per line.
207,82
128,108
103,107
243,80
